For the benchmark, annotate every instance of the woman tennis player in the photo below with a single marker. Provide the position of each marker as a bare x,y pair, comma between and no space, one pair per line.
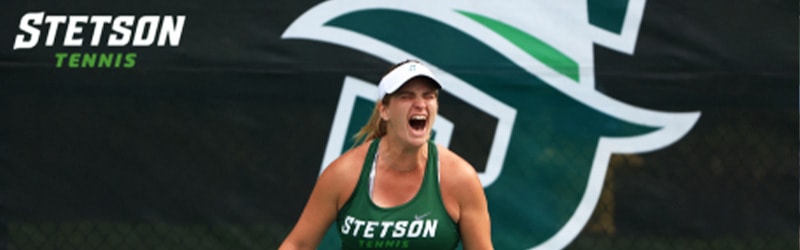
398,190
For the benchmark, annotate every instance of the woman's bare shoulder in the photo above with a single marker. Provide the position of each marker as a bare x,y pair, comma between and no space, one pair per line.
342,174
350,160
455,167
459,182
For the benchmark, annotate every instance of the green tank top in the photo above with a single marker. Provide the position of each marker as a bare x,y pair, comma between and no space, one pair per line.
421,223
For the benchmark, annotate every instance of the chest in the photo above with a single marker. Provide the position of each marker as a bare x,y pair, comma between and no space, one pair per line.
390,189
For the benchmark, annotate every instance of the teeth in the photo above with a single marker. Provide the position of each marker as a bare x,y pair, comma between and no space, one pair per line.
419,117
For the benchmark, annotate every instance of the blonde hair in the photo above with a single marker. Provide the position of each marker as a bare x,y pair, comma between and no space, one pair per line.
375,126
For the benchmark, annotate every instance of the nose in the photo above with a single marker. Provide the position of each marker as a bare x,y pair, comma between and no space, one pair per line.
420,103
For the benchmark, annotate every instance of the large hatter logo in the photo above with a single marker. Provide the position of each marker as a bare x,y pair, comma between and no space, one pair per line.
529,64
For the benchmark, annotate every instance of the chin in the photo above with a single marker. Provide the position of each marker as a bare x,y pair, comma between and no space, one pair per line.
418,141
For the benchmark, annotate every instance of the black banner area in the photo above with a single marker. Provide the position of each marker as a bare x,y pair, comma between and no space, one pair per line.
217,142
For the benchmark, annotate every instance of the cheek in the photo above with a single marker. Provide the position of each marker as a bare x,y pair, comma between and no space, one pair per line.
433,107
393,113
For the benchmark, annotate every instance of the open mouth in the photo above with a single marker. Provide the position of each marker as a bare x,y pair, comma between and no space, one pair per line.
418,122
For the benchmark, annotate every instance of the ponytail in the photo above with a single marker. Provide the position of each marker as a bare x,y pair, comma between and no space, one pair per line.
375,127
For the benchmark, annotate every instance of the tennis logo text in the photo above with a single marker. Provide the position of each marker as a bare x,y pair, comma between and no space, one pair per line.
98,31
379,234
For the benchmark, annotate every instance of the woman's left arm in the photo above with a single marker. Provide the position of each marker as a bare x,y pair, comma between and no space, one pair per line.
474,223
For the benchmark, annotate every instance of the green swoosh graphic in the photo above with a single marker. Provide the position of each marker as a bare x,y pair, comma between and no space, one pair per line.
533,46
554,138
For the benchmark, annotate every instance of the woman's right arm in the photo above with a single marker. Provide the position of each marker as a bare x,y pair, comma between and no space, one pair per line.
319,213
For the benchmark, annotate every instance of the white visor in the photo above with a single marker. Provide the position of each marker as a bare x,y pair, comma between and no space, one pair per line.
400,75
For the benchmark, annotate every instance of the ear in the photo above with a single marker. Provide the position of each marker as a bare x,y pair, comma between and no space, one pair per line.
384,112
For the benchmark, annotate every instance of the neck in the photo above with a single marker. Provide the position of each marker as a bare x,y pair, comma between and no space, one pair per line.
402,158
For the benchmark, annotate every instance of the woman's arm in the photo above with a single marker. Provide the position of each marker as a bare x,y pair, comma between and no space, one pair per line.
317,216
332,189
474,223
465,200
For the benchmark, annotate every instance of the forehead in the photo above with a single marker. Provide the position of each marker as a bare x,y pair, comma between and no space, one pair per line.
419,84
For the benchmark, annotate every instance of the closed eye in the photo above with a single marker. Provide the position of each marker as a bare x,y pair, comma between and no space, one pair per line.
431,95
405,95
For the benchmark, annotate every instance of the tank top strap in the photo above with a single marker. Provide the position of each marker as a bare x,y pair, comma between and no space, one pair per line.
431,177
433,159
365,179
